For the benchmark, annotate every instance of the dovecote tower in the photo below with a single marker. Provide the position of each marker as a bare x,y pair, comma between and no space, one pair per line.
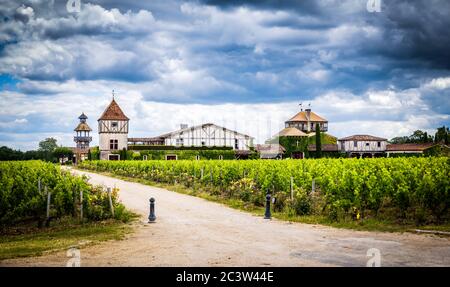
113,131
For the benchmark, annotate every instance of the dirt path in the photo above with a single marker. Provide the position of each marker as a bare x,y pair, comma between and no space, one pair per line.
194,232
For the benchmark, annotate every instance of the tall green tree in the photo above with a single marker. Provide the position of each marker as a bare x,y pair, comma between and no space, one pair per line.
318,142
442,135
48,145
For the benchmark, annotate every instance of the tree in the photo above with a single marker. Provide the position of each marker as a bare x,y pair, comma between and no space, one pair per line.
442,135
48,145
417,137
123,154
399,140
63,152
7,153
318,142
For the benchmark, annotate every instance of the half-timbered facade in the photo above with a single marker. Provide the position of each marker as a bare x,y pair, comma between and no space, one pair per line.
208,135
113,131
205,135
362,145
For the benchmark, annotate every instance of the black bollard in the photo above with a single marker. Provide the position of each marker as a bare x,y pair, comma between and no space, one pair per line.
152,217
267,215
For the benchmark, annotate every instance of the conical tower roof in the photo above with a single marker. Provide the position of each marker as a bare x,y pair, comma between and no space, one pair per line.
113,112
83,127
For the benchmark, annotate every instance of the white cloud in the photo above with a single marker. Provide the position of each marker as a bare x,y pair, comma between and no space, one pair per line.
439,83
385,113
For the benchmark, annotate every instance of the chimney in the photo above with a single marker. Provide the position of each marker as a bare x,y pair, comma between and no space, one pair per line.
308,113
308,118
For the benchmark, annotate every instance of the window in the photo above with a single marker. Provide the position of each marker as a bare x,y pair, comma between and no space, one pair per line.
113,144
236,144
197,157
355,144
113,157
379,144
144,157
203,143
220,157
180,141
367,144
171,157
114,124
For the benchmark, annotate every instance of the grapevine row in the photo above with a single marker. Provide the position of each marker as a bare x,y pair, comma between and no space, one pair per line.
417,188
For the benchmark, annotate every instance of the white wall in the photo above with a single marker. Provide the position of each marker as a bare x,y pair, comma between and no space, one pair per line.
211,136
348,146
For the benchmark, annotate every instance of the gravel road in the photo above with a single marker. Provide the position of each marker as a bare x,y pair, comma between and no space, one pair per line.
191,231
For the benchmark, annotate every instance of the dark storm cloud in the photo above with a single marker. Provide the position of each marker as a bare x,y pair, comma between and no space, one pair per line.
304,7
411,29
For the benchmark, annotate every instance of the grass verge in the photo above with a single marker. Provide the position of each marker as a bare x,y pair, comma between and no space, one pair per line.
26,240
369,224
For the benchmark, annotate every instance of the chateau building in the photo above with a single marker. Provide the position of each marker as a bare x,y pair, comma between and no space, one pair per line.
205,135
113,128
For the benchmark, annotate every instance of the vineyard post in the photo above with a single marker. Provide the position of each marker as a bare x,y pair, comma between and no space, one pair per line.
74,191
110,201
221,183
81,204
39,186
201,174
313,186
49,195
292,188
210,176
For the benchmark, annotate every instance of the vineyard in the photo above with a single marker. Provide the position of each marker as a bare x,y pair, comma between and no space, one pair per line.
40,191
385,188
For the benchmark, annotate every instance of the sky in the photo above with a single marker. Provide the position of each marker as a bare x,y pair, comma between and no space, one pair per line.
245,65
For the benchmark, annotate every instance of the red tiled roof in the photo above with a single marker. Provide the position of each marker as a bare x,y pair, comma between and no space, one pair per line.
113,112
362,138
409,147
325,147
